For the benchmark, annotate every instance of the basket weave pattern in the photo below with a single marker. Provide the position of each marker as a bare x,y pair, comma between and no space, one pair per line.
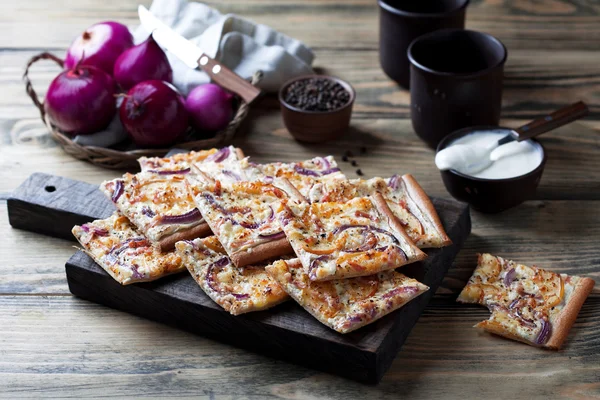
115,159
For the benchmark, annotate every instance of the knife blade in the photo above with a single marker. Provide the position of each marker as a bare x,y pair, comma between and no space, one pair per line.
194,57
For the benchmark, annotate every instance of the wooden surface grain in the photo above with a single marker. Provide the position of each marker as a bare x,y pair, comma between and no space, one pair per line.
53,345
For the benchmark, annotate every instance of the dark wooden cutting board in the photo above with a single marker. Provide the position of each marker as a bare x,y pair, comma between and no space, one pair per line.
52,205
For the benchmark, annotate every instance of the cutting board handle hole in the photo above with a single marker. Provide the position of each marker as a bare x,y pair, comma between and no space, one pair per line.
50,188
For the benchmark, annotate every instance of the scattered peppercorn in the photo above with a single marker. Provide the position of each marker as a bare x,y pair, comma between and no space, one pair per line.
359,172
316,94
354,163
345,158
363,150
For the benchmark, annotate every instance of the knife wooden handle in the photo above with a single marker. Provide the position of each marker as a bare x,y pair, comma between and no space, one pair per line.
552,121
228,79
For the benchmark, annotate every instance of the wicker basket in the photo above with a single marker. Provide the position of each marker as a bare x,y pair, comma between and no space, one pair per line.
116,159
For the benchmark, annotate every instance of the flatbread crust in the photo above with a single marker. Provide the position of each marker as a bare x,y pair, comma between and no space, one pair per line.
241,216
404,196
156,204
126,255
347,304
238,290
182,161
528,304
337,241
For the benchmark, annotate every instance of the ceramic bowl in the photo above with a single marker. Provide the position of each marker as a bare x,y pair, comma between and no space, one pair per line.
490,195
316,126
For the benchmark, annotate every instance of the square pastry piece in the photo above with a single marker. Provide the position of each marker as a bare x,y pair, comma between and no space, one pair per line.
242,217
528,304
124,253
342,240
229,170
160,206
237,289
184,161
403,195
305,174
346,304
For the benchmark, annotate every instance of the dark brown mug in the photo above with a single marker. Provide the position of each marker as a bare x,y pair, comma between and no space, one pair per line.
455,82
402,21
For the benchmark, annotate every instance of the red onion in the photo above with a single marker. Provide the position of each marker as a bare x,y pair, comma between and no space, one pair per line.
342,228
220,263
231,174
117,191
313,266
323,161
187,218
153,114
81,100
100,46
509,277
143,62
170,172
304,171
273,236
330,171
148,212
210,107
545,333
242,210
403,289
113,254
95,231
220,155
394,182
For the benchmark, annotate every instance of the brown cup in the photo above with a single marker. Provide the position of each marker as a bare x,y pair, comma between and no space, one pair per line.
455,82
402,21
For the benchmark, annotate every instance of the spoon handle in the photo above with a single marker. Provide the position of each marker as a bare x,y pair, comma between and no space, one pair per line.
560,117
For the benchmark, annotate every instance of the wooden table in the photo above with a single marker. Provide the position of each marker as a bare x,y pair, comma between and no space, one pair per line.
54,345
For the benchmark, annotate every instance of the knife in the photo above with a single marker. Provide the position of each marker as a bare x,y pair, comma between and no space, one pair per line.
194,57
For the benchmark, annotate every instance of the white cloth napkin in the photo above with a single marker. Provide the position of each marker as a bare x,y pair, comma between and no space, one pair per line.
241,45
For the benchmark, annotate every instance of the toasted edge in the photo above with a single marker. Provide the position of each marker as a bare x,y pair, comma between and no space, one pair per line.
168,242
381,205
418,195
291,190
261,252
567,316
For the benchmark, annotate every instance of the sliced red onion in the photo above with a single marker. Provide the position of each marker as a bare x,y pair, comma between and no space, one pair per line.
136,274
342,228
313,266
545,333
220,263
148,212
113,254
118,190
187,218
394,182
364,246
330,171
403,289
170,172
95,231
525,321
214,203
272,236
268,179
231,174
304,171
323,161
220,155
514,303
255,225
510,277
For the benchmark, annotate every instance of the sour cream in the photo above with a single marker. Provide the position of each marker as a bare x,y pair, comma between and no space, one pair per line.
507,161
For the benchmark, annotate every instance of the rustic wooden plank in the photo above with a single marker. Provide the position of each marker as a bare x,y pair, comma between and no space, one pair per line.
66,347
556,24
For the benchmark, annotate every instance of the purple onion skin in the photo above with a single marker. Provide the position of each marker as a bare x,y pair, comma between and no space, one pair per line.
210,107
143,62
100,45
153,114
81,100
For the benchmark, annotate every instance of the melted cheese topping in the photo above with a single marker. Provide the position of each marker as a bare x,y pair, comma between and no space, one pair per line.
305,174
230,170
240,214
522,299
176,162
122,252
340,240
237,290
416,222
347,304
148,198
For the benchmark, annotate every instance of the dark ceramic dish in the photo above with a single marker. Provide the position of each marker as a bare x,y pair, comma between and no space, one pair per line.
316,126
402,21
455,82
490,195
